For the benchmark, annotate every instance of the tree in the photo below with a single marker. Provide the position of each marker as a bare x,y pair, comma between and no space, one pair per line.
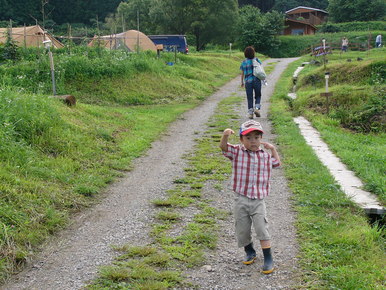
69,11
263,5
6,10
207,20
10,50
127,15
259,30
285,5
172,16
356,10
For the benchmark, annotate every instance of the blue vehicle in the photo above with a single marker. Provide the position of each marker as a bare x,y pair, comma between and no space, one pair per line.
171,42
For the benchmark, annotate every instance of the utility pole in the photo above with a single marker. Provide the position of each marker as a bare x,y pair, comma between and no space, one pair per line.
123,24
137,31
47,45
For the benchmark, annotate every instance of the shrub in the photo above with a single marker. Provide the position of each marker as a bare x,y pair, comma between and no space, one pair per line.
351,26
10,51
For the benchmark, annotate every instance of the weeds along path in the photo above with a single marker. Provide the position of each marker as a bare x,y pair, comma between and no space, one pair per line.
124,214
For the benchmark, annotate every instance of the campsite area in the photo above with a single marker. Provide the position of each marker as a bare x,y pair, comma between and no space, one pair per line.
110,167
66,158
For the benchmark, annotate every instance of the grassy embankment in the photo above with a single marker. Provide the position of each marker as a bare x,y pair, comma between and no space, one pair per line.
339,249
55,159
353,120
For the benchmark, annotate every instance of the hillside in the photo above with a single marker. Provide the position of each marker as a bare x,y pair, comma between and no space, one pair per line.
56,159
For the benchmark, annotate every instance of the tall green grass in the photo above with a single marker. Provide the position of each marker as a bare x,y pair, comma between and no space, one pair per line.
55,159
112,77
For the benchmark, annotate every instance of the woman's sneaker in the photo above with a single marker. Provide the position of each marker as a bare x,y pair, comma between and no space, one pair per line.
250,113
257,112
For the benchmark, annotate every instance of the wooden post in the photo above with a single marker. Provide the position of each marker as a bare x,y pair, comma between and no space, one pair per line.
324,50
10,28
25,37
69,38
123,24
327,94
137,31
52,72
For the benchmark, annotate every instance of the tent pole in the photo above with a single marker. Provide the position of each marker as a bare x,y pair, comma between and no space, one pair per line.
69,38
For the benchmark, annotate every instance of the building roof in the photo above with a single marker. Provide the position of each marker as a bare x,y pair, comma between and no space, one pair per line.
293,10
302,22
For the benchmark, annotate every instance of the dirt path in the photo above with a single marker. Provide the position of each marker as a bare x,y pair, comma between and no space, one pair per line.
123,216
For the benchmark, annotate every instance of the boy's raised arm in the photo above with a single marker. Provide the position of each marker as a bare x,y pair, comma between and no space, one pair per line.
224,139
274,152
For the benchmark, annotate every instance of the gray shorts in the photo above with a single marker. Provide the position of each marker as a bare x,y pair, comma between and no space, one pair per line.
250,212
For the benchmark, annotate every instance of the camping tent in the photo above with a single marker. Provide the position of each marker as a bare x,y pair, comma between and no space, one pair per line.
130,40
29,36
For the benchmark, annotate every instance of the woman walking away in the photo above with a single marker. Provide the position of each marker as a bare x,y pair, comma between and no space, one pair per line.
251,83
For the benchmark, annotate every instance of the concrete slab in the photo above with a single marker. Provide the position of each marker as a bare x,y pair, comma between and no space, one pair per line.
350,184
292,95
297,71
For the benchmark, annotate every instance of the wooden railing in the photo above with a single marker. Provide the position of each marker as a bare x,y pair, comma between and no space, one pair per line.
317,49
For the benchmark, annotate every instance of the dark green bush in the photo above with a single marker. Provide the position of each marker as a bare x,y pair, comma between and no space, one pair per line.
352,26
371,117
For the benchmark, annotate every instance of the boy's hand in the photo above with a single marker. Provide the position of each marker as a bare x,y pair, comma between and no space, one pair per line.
228,132
224,139
273,151
267,145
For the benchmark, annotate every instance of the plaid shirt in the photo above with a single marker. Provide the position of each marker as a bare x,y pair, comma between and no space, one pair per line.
251,171
247,67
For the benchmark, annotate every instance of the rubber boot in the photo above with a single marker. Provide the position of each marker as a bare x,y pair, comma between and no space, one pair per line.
251,254
268,261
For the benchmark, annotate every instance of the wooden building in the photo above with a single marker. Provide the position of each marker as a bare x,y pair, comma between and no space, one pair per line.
303,20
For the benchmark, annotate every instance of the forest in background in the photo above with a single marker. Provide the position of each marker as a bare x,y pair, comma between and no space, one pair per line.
205,23
86,12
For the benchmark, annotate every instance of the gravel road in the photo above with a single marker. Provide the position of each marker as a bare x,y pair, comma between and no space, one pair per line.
123,216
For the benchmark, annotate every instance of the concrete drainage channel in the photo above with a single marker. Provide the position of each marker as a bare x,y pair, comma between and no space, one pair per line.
350,184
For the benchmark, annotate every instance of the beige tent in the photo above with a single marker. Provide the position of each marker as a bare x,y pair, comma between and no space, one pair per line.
130,40
29,36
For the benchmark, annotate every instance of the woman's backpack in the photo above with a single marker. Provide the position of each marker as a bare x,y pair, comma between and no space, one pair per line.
258,70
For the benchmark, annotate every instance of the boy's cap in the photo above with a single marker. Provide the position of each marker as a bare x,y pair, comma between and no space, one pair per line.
250,126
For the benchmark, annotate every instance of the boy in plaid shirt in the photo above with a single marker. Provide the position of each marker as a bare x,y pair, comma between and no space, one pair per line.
251,173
